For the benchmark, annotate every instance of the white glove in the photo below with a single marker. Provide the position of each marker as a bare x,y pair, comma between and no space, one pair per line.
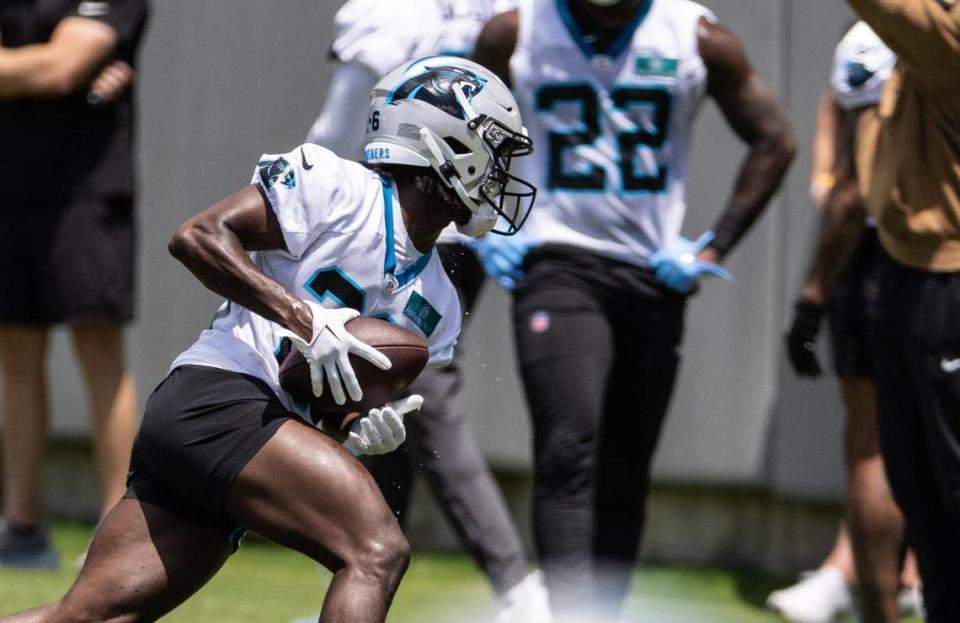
382,430
328,352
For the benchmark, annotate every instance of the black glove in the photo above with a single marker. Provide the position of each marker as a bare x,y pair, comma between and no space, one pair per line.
802,338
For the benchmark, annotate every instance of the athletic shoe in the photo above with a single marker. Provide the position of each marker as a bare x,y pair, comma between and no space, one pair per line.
819,597
26,549
525,603
911,603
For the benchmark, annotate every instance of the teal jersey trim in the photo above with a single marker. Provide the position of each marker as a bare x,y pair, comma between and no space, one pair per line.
411,272
619,45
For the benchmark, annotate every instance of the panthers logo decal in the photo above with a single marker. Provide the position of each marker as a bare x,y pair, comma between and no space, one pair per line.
435,86
857,74
279,171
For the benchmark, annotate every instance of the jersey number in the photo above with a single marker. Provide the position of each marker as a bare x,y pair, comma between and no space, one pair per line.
334,283
629,143
327,283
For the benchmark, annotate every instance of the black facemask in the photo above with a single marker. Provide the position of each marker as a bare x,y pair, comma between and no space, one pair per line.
511,197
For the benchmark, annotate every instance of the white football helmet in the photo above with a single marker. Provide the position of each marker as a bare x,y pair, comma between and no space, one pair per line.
460,119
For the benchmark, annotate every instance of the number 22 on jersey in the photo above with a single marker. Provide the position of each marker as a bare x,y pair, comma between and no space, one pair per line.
642,114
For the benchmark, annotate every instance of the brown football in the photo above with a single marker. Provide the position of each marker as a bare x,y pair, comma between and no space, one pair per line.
406,351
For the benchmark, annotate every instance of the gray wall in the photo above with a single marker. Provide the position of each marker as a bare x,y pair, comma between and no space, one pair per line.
222,82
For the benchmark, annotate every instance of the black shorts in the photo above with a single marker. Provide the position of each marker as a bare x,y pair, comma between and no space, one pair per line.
66,260
201,426
850,308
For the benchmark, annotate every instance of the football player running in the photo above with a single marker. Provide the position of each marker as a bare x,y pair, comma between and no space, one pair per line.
371,36
313,242
610,90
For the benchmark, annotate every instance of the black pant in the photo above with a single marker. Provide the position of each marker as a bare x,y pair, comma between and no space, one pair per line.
441,443
597,344
917,341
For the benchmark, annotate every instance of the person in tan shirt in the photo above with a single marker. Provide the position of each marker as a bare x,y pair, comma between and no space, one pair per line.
912,190
915,190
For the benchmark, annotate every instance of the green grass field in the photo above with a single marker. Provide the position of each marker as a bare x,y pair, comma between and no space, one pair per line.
263,583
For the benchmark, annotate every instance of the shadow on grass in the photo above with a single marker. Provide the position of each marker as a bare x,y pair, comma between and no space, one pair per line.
753,588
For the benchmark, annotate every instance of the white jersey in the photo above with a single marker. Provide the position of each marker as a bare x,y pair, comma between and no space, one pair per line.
612,131
346,247
862,64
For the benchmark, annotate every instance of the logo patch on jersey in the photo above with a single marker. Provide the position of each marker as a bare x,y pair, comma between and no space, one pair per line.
435,86
656,66
422,314
279,171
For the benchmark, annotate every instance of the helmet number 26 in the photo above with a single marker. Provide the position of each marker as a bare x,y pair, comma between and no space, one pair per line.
373,121
638,146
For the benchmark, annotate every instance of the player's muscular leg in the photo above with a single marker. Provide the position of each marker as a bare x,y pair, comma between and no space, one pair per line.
22,355
875,523
304,491
113,402
142,563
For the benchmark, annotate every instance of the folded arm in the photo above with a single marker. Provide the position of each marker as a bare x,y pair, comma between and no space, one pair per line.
77,48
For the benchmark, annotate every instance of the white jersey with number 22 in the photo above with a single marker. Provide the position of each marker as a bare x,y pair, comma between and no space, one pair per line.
612,130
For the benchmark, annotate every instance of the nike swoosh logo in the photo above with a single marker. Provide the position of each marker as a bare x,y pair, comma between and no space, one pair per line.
950,365
303,158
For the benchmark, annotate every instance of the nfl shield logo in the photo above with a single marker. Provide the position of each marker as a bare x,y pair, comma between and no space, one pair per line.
540,322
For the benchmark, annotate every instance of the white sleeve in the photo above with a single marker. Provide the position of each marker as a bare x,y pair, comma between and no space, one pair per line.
380,35
456,36
458,26
341,126
308,190
862,64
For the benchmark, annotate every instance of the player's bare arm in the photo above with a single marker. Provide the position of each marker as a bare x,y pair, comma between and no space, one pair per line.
214,246
844,219
758,117
77,48
497,42
823,150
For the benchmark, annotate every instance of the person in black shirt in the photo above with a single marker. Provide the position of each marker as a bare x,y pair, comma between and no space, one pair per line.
66,238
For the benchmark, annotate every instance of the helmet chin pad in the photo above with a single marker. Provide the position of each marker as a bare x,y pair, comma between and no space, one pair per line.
480,222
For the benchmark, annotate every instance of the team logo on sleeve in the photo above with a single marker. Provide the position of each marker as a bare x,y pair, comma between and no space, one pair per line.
435,86
858,74
279,171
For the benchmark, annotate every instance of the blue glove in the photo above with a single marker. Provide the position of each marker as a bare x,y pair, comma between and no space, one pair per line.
677,267
502,256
